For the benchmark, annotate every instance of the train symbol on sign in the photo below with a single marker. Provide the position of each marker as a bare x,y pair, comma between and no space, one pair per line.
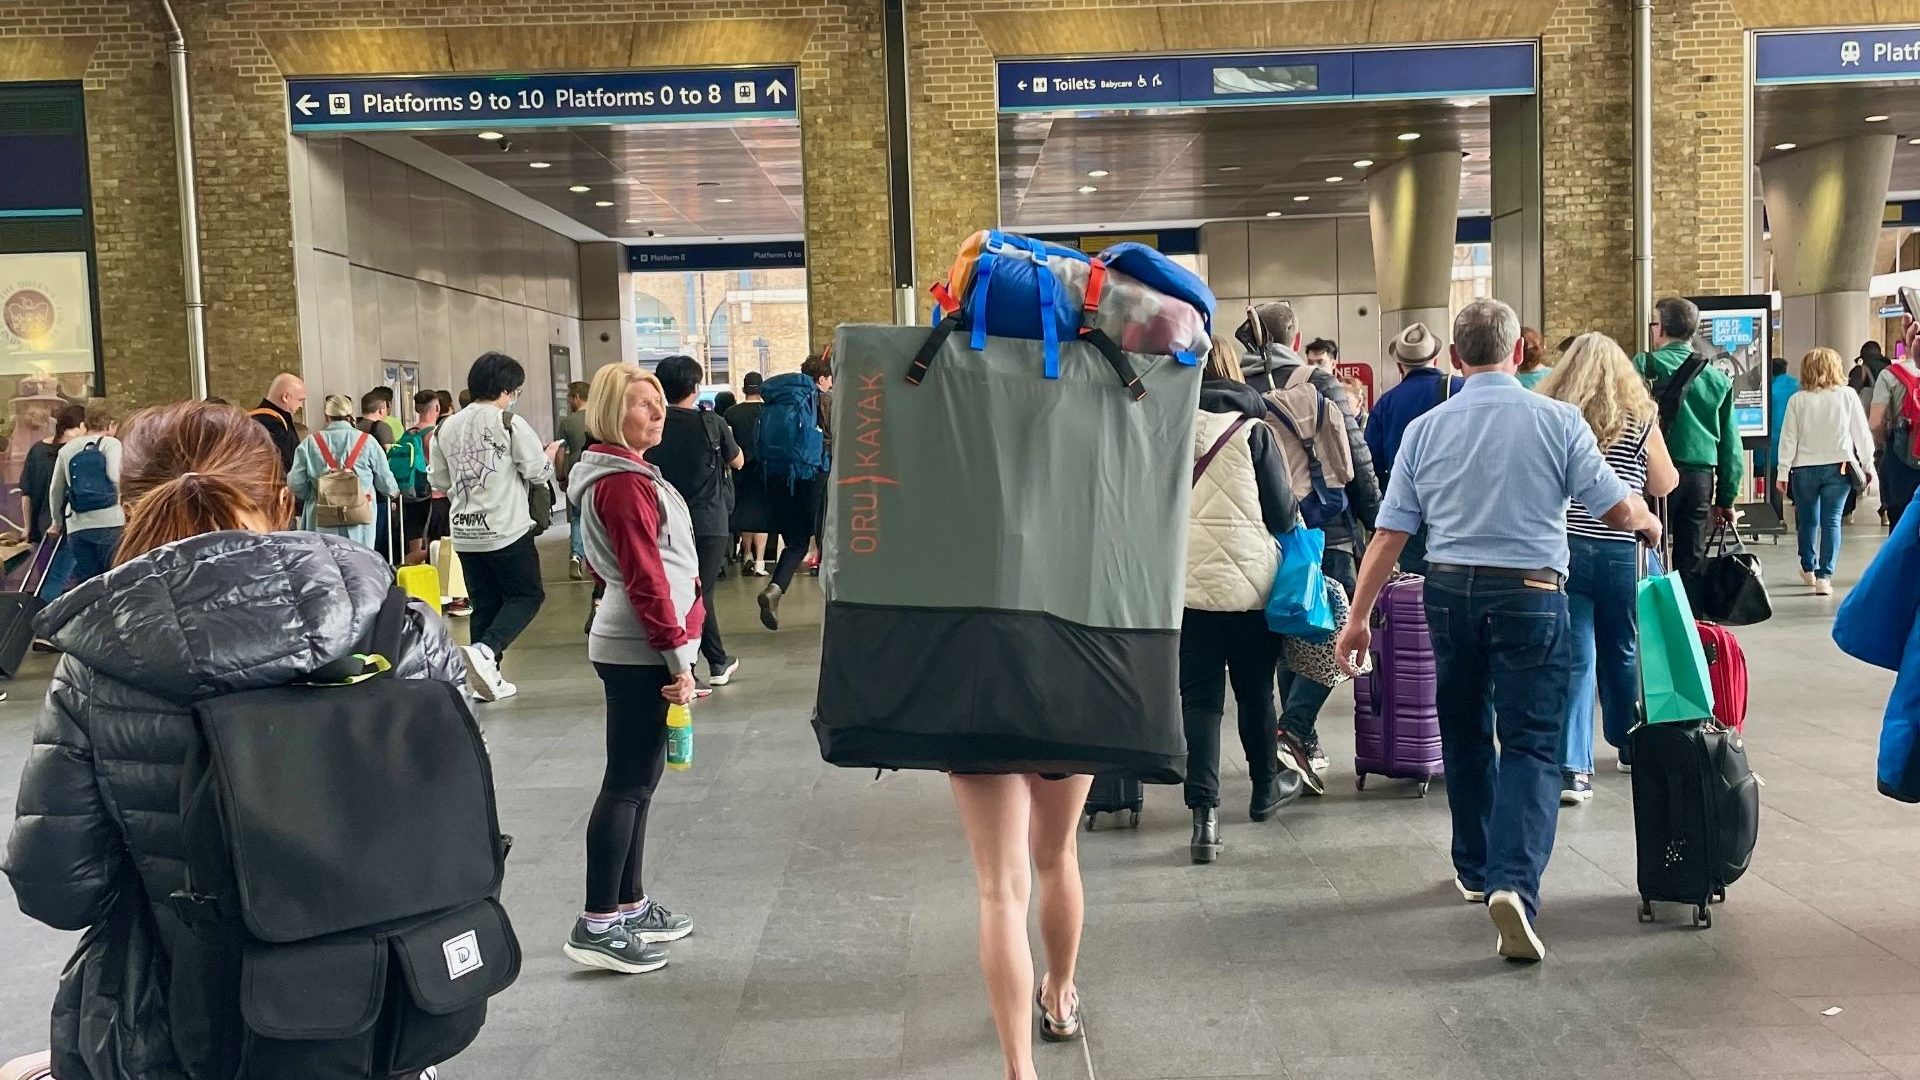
339,104
1850,54
743,93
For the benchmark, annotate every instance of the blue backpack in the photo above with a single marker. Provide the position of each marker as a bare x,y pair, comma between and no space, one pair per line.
788,442
89,488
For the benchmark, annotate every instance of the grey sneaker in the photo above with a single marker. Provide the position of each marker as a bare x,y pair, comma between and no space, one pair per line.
615,950
657,924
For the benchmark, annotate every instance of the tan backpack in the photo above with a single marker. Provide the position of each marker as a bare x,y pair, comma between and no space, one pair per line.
339,498
1311,433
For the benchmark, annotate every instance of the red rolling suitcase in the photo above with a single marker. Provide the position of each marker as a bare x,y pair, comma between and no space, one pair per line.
1727,668
1396,717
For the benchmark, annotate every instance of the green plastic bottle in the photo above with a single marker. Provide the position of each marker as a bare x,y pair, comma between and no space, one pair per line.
679,737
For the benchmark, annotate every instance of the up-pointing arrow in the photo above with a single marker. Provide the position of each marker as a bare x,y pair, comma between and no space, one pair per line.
306,104
777,92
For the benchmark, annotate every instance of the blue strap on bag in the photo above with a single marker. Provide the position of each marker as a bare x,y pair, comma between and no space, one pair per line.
1297,606
1049,334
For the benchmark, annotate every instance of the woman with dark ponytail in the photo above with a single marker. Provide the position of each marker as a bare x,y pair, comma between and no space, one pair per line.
205,599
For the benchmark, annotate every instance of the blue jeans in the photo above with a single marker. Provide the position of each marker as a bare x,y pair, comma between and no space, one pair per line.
576,546
92,552
1600,601
59,572
1504,661
1819,499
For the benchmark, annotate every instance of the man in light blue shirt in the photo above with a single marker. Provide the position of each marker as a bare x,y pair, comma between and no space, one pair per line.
1489,474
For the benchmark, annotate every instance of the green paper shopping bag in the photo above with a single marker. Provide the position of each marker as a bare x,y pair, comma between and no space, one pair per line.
1674,685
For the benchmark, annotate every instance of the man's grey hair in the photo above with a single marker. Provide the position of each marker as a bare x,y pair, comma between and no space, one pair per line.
1679,318
1485,333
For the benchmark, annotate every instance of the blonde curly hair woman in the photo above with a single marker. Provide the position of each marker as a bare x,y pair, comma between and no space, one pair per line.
1596,377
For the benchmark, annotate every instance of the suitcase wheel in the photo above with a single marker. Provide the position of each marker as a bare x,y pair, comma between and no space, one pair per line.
1703,917
1091,819
1423,787
1719,897
1133,819
1360,782
1646,910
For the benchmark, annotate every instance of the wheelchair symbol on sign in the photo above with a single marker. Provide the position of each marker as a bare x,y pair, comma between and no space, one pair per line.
1850,54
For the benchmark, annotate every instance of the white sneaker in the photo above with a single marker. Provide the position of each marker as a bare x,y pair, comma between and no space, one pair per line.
1806,578
1517,939
506,691
1471,896
1823,586
483,675
725,675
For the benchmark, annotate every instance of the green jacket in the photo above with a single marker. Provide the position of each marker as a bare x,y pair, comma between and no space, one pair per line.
1703,435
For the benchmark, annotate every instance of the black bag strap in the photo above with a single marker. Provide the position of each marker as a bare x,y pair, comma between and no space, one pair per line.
944,329
1445,391
1200,464
1676,390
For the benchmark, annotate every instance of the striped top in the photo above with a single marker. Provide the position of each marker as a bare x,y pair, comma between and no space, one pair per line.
1628,458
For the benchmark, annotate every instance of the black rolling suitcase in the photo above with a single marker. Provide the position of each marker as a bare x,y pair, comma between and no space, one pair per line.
1114,795
1696,814
18,609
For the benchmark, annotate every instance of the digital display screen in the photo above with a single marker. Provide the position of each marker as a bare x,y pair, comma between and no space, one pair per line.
1735,342
1272,79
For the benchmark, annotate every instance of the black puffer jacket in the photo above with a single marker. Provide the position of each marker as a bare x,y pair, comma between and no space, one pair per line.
1269,368
97,829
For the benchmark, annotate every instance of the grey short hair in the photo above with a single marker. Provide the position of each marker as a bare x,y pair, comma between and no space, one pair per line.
1485,333
1679,318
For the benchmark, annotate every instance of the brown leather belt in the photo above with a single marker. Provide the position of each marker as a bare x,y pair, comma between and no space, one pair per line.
1538,579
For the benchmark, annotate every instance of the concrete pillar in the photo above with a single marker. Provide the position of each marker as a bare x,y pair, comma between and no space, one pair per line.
1517,201
606,307
1414,205
1824,207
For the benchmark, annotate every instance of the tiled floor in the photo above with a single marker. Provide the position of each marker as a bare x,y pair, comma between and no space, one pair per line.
835,909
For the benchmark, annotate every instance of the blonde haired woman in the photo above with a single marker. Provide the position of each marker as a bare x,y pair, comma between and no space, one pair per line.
1824,444
644,638
1595,376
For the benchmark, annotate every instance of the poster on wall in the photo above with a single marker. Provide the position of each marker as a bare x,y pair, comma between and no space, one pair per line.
1734,337
46,317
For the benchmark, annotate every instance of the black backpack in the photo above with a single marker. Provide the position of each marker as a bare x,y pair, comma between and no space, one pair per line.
344,860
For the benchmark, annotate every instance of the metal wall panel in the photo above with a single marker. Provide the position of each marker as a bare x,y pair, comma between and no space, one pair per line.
1287,258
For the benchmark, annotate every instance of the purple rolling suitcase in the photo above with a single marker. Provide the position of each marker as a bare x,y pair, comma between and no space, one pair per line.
1396,725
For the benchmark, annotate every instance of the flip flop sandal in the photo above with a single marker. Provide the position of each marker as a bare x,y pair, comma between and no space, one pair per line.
1062,1029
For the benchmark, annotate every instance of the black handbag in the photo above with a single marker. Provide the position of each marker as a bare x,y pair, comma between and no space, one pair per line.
1726,586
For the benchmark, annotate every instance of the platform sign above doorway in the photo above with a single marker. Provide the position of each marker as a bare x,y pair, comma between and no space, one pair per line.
1821,56
759,255
440,102
1388,74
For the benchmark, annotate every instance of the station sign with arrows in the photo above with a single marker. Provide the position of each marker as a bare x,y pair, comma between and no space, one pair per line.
440,102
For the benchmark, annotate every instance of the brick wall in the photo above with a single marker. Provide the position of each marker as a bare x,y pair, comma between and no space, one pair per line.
1700,156
242,49
1586,140
116,49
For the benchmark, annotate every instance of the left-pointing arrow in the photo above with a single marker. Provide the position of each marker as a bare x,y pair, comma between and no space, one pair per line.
306,104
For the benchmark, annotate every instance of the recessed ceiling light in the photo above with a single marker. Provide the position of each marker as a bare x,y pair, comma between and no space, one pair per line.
1088,189
1229,168
579,189
633,221
1273,213
1877,118
1301,198
1336,179
1785,146
539,164
1098,173
723,200
1216,183
1363,163
1409,136
1913,142
603,202
490,136
1462,102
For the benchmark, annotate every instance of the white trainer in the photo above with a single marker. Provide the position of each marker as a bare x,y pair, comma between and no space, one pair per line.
483,674
1471,896
1517,939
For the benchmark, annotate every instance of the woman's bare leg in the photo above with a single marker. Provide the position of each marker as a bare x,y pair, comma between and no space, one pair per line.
995,812
1055,839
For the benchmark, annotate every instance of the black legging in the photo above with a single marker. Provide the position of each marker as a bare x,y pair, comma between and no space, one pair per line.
636,755
796,515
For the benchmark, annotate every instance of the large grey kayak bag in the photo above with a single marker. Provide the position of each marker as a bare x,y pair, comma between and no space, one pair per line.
1004,556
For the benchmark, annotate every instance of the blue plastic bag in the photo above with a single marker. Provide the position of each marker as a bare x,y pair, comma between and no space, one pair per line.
1879,622
1297,606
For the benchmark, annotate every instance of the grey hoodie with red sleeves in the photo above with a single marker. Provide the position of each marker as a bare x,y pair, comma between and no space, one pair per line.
638,537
